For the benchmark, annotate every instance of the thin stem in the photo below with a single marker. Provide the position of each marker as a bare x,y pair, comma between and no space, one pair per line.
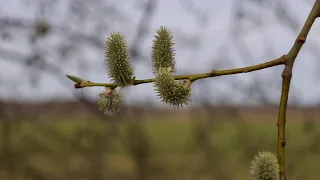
191,77
286,79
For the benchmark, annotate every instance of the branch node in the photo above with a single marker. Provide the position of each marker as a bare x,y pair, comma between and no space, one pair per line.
284,59
302,39
287,72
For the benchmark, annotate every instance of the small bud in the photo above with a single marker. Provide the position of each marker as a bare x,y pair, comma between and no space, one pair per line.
75,79
109,101
117,60
265,167
162,50
170,91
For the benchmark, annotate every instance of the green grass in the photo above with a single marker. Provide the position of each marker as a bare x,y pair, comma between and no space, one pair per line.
175,152
170,137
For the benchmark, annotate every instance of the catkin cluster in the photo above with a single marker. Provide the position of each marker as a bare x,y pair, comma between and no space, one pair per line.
170,91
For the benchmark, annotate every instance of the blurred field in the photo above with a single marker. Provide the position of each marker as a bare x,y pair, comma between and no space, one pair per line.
178,145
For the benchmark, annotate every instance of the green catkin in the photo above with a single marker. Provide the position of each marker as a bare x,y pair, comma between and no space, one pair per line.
265,167
109,101
170,91
162,50
117,62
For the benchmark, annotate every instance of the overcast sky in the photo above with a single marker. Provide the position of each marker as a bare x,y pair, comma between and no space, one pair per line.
212,40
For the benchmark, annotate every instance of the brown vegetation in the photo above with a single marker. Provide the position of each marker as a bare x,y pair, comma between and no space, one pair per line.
78,109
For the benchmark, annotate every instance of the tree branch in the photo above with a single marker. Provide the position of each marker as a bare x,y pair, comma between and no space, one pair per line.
81,83
286,79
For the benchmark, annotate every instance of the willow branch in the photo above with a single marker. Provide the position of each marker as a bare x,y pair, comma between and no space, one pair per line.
286,79
81,83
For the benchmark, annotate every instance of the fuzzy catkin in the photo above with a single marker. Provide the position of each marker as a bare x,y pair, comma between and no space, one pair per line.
162,50
265,167
170,91
109,101
117,62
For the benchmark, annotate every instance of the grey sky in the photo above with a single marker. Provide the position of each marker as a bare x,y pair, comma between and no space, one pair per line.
214,38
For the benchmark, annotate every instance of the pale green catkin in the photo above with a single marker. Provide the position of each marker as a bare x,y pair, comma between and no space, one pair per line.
109,101
162,50
117,62
265,167
170,91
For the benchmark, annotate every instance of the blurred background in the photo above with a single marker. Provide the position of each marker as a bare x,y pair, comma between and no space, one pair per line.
51,131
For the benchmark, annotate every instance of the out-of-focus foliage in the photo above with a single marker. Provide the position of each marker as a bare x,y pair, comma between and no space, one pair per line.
213,143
